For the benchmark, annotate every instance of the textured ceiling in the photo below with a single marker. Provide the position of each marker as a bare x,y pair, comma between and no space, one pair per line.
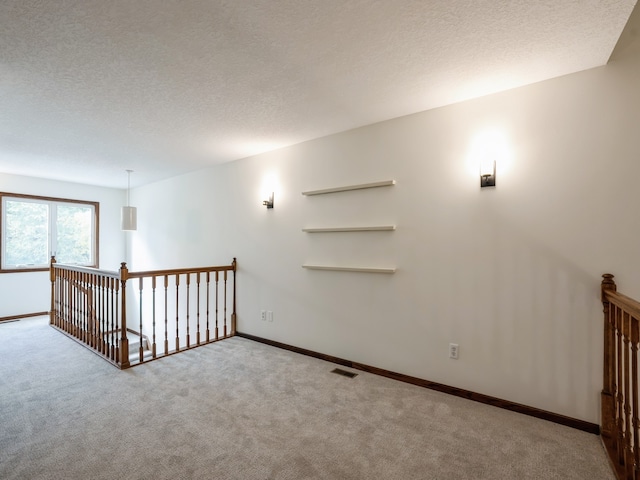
90,88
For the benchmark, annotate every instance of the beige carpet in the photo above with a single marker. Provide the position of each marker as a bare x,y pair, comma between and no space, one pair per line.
241,410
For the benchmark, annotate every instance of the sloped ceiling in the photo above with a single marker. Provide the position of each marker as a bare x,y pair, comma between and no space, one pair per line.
90,88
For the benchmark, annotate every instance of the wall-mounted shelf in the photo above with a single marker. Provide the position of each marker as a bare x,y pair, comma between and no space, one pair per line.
380,228
386,183
350,269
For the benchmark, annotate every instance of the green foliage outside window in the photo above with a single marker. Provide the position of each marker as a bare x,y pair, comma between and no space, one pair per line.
74,234
27,233
33,230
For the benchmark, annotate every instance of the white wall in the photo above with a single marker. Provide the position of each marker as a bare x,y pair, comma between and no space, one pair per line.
29,292
511,274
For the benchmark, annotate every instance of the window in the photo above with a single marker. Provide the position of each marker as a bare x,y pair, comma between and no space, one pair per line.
34,228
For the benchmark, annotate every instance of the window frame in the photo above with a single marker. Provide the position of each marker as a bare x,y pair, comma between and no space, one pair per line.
49,201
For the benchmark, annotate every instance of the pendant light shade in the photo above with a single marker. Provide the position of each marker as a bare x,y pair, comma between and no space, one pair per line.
129,218
129,215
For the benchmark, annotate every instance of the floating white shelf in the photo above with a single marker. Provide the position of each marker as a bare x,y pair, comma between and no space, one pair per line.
380,228
350,269
386,183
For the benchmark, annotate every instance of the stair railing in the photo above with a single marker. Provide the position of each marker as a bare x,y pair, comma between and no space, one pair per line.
620,395
98,308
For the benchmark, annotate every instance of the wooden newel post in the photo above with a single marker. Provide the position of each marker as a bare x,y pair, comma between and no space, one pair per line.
233,314
124,341
52,277
607,401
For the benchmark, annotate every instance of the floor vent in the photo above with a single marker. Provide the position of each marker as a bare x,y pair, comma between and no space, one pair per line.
344,373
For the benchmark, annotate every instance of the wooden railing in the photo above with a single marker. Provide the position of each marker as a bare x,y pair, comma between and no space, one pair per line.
620,395
133,317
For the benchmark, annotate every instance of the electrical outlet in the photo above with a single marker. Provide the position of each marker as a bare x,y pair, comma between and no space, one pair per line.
263,315
454,350
270,316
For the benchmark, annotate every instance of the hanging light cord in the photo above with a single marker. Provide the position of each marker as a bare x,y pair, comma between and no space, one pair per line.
128,186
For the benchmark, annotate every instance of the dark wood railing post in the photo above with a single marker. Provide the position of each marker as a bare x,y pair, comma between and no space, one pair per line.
177,312
52,277
635,422
123,361
630,422
607,400
234,264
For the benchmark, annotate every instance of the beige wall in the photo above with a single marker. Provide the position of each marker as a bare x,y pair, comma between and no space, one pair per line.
511,274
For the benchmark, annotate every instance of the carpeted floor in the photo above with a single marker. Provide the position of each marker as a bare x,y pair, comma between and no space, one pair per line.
241,410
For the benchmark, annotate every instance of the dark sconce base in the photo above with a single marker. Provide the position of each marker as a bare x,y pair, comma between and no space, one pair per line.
269,202
488,180
488,175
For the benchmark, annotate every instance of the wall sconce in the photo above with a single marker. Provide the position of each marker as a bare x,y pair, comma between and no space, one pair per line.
128,214
269,202
487,173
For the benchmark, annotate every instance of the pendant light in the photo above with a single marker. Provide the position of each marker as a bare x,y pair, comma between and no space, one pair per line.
129,215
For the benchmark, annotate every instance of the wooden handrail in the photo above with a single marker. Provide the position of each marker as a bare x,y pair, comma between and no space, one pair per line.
180,271
90,270
620,397
146,273
95,307
623,302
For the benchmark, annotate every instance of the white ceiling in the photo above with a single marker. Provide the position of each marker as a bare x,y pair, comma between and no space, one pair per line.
90,88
